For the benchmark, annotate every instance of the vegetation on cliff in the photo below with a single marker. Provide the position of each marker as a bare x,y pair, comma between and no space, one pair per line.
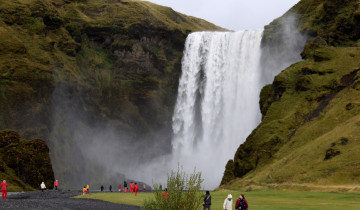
310,132
24,164
67,65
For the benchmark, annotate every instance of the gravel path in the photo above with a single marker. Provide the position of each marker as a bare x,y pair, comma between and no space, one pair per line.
52,199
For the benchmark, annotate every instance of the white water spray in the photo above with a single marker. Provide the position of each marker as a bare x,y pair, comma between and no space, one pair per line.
218,100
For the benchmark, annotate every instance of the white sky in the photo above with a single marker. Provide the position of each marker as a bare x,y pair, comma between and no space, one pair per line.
232,14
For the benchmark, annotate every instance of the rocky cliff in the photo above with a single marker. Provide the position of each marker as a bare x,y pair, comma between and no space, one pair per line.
69,67
24,164
309,136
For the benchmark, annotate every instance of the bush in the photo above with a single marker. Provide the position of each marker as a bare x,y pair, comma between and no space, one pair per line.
183,189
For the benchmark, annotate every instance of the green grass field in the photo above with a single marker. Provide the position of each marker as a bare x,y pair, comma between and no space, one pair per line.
256,199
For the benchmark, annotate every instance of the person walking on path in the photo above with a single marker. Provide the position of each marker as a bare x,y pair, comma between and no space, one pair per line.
228,203
119,188
4,187
110,188
136,188
102,188
87,189
56,184
207,201
42,186
84,190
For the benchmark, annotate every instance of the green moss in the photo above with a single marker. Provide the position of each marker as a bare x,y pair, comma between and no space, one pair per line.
335,22
228,173
24,163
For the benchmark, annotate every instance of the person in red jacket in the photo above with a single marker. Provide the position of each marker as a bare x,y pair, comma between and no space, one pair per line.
4,187
136,188
241,203
131,187
165,194
56,184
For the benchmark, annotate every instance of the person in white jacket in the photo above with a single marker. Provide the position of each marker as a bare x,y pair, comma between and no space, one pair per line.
42,186
228,203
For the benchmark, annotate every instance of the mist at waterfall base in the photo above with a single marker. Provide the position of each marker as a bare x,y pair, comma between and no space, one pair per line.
217,108
88,149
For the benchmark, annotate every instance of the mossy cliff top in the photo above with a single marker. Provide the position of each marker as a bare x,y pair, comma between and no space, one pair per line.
102,47
337,22
24,164
309,136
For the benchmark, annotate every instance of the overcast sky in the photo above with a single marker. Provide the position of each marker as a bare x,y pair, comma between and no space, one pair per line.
232,14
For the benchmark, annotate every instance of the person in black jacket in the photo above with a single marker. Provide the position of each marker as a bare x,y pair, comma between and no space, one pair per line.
207,200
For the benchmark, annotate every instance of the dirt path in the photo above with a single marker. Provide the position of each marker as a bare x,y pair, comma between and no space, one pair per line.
51,199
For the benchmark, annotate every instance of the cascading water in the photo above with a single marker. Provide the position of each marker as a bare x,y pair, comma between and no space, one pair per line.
218,100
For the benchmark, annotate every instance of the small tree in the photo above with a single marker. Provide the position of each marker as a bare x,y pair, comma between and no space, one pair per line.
183,189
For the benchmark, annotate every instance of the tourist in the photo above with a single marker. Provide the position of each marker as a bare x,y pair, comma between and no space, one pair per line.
244,202
102,188
144,188
207,201
119,188
228,203
4,187
125,186
56,184
84,190
131,187
136,188
165,194
42,186
87,189
110,188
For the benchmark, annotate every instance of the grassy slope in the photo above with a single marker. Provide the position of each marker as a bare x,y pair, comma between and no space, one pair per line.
299,157
256,199
309,137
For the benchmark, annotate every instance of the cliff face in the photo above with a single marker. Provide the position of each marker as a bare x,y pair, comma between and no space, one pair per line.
310,132
67,65
112,53
24,164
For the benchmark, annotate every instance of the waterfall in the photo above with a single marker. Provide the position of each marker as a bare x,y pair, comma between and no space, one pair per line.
218,100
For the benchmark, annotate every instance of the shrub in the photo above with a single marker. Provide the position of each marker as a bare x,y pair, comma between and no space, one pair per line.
183,189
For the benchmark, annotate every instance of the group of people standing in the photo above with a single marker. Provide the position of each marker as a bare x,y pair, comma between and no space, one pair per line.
133,188
4,187
241,203
43,186
86,189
